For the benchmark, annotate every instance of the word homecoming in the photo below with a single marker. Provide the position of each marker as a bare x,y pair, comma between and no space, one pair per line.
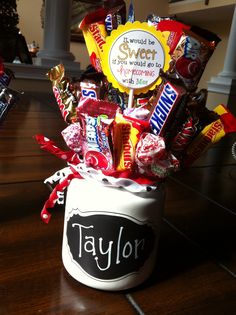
127,76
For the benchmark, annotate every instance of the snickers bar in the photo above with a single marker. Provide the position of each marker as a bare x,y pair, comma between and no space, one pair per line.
169,96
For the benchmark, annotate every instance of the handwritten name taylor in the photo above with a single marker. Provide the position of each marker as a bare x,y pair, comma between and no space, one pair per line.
103,250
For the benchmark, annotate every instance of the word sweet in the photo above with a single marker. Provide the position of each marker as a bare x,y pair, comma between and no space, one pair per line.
140,53
163,108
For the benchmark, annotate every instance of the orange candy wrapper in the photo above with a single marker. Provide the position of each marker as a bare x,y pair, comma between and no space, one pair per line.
126,134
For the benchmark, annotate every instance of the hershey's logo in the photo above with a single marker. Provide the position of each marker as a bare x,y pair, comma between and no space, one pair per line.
108,247
163,108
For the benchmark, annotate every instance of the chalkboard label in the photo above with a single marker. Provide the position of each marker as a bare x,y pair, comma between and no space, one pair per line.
108,246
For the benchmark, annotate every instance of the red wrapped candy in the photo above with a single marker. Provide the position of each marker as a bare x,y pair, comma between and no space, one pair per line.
152,158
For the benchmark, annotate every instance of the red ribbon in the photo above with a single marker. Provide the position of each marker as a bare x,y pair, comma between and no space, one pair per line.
72,158
50,146
55,195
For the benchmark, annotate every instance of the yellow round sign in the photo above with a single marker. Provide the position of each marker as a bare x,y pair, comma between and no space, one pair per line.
133,56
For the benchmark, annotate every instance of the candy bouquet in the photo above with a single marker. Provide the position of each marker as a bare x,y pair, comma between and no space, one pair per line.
134,117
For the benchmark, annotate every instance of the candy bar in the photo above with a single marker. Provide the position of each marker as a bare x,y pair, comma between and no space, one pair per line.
89,89
116,14
5,76
65,97
190,57
184,136
94,31
7,99
167,100
95,108
126,133
96,116
211,134
96,146
172,30
91,84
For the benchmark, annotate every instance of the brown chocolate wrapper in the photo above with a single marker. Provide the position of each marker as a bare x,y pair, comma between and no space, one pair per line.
64,94
165,104
116,14
190,57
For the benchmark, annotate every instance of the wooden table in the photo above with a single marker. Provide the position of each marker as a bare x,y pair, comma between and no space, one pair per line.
196,264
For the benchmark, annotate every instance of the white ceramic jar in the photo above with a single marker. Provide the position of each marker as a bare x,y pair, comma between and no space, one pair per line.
110,235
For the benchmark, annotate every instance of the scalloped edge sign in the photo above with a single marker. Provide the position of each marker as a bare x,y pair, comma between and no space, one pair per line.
133,56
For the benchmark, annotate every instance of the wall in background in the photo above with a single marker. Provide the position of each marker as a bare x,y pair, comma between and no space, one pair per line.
30,20
30,25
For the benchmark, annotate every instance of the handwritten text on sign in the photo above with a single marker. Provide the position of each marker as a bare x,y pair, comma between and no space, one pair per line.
108,247
133,56
136,58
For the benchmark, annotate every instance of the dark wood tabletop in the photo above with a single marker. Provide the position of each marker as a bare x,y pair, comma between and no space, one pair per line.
196,263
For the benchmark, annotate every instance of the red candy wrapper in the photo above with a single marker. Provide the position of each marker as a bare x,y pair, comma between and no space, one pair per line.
96,117
152,158
184,136
73,137
96,147
95,108
172,30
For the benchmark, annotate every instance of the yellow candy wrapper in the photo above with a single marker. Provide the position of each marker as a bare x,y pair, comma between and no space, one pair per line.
94,32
